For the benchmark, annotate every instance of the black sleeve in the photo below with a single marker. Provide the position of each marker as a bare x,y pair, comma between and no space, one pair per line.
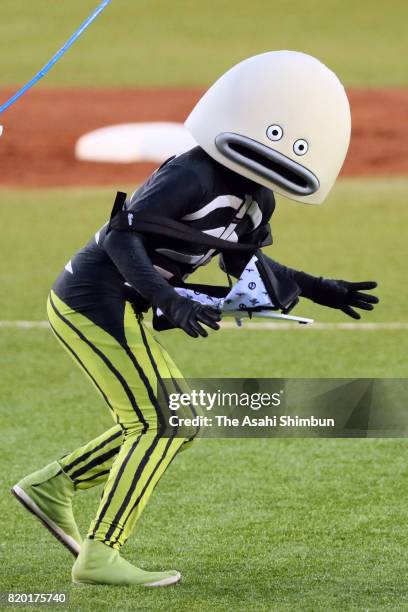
169,193
127,251
306,282
233,262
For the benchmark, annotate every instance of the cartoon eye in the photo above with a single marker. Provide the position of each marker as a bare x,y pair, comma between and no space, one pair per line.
300,147
274,132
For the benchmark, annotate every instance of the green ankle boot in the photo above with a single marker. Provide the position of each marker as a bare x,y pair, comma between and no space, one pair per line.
98,563
48,495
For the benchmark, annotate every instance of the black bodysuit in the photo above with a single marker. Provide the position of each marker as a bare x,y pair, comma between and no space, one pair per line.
191,188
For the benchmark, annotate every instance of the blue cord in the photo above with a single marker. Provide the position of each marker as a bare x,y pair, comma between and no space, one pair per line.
55,57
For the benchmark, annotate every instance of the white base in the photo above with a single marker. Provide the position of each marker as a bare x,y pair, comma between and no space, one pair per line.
134,142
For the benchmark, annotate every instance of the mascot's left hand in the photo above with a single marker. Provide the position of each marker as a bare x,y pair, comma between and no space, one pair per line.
343,295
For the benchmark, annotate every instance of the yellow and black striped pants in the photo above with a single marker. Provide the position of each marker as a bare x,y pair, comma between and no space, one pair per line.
129,458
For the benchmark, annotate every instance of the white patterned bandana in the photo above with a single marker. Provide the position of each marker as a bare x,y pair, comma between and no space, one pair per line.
248,292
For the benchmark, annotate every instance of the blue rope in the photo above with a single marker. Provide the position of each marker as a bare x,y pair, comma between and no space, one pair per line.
55,57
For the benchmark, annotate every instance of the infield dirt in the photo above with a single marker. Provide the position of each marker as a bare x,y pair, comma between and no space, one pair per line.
37,148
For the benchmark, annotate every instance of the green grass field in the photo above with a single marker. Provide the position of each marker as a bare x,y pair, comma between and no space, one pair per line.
157,42
252,524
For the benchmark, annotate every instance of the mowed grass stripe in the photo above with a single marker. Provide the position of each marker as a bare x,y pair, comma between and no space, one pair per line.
188,43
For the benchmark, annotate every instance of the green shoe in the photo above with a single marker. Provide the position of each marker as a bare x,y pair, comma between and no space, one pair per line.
48,495
98,563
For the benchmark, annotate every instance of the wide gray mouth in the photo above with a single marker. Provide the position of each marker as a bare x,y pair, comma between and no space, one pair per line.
267,163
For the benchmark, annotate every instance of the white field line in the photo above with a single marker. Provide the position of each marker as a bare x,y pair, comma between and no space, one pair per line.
263,325
24,324
317,326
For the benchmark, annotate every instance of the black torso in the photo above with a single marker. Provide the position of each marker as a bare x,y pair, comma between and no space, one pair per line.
191,188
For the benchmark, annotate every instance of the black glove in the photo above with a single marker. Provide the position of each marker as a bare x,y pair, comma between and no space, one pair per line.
343,295
188,314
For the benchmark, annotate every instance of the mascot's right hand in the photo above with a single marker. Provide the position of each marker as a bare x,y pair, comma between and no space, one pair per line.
188,314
